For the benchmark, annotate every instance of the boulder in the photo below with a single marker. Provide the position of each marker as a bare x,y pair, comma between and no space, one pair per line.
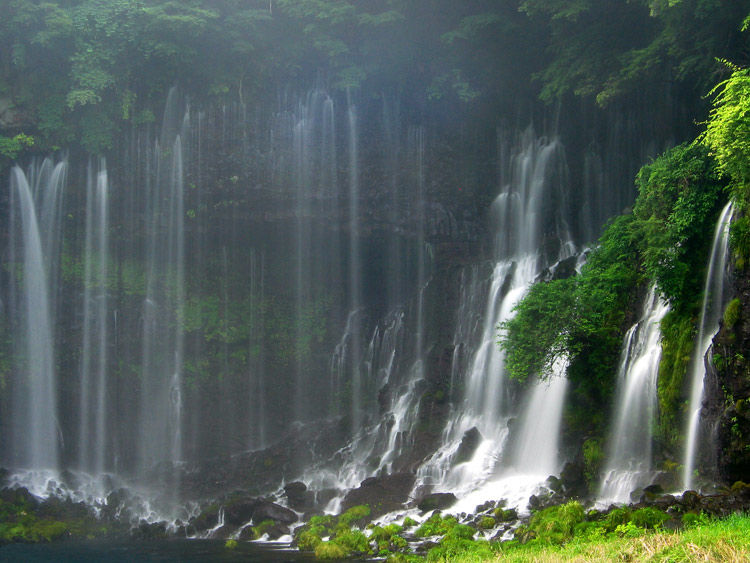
241,511
382,494
437,501
275,512
470,441
223,533
298,497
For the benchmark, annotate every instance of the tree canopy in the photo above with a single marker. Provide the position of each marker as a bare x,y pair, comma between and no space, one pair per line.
76,70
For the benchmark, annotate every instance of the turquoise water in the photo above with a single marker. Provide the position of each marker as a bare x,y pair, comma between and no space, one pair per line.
166,551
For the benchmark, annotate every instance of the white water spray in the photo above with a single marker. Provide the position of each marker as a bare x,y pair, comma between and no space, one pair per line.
711,311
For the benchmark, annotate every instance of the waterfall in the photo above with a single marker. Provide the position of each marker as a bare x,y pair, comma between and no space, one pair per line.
162,353
35,244
536,446
708,324
531,234
355,268
629,462
93,437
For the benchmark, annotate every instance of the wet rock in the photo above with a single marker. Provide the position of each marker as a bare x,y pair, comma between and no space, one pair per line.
573,479
324,496
470,441
241,511
19,496
486,507
150,531
247,534
207,519
383,494
505,515
277,531
384,398
224,532
298,497
275,512
437,501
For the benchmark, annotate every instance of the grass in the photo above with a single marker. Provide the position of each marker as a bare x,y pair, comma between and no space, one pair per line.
725,541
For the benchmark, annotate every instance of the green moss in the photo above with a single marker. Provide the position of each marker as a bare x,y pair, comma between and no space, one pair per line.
593,457
410,522
732,313
231,544
555,525
649,518
677,330
308,540
353,541
487,523
330,550
436,525
355,515
261,529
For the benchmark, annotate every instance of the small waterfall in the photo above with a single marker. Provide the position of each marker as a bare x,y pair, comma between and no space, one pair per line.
256,352
708,324
536,446
629,463
161,418
531,234
35,243
92,437
355,267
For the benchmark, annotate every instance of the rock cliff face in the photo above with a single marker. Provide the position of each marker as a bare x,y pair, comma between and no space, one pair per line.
727,406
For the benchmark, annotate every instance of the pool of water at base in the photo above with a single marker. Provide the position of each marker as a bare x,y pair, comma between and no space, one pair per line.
165,551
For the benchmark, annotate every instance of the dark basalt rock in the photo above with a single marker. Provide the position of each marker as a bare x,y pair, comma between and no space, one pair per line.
382,494
277,530
207,519
241,511
298,497
275,512
437,501
224,532
152,531
470,441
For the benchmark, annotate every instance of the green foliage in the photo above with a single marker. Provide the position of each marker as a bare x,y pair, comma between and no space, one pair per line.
330,550
677,330
231,544
649,518
409,522
605,50
680,195
555,524
536,338
355,515
308,540
487,523
11,147
593,457
739,241
436,525
728,130
691,519
732,313
461,549
578,318
353,541
261,529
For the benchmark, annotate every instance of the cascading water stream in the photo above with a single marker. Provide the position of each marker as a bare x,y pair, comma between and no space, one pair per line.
161,419
629,463
708,324
92,437
533,181
35,435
